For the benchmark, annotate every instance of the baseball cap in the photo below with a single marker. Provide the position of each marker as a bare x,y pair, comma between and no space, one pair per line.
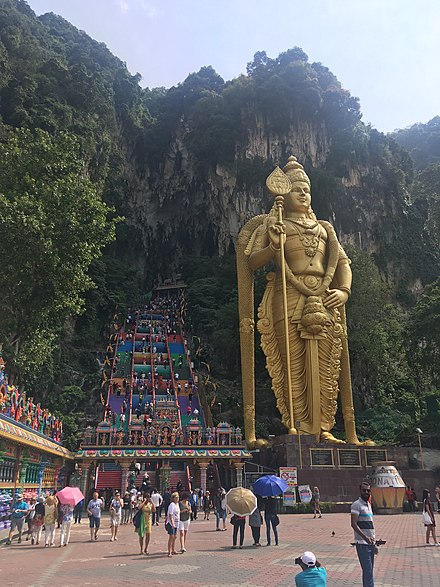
308,558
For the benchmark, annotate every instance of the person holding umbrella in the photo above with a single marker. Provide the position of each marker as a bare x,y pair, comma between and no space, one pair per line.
239,523
241,502
268,486
67,498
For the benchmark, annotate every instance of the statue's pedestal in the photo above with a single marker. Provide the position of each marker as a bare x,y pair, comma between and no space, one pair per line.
338,469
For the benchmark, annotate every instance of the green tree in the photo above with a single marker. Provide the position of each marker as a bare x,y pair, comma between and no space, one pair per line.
424,336
53,224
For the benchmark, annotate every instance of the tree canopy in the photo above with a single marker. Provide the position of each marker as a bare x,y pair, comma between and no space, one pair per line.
53,224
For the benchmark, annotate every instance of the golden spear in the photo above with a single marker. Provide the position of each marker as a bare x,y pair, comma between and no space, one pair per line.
279,185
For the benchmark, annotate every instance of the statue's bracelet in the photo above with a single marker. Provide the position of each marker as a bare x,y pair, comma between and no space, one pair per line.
346,289
274,249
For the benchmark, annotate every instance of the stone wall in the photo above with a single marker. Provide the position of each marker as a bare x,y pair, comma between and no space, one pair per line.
338,482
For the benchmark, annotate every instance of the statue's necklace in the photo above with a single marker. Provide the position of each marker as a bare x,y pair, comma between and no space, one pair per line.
309,237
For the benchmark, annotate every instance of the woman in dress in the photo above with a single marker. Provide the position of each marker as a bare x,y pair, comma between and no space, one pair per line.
428,512
146,522
50,517
172,523
184,522
316,497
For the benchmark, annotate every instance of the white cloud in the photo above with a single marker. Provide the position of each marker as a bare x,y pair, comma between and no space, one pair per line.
122,5
148,7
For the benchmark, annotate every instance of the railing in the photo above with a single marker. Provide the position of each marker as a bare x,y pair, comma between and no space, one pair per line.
118,438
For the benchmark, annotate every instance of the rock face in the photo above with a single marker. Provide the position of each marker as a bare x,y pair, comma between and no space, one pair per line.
183,208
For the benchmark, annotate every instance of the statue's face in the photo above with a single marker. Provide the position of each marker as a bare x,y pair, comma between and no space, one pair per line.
299,199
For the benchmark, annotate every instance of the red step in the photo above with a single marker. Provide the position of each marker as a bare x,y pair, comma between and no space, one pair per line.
112,479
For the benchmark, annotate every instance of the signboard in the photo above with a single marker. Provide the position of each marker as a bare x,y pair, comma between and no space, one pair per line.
290,476
375,454
321,457
305,493
349,457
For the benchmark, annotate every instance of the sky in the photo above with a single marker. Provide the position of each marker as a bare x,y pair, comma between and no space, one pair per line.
385,52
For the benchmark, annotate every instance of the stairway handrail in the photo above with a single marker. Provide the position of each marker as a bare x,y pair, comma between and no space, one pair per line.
262,467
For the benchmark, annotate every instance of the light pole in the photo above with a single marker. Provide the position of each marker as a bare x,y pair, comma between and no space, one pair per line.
419,433
298,427
220,408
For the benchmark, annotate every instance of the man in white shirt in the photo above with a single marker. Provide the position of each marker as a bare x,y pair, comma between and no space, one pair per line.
157,499
364,535
94,508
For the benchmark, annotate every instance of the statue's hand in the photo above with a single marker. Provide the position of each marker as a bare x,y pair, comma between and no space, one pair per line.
335,299
275,231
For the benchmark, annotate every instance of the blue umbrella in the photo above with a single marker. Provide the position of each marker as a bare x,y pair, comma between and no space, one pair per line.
269,485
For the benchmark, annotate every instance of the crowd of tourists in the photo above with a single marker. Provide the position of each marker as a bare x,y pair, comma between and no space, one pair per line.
144,507
22,408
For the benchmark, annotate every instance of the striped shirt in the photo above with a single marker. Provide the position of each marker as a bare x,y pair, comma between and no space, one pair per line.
362,509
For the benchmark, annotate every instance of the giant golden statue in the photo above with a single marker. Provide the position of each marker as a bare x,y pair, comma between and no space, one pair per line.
301,317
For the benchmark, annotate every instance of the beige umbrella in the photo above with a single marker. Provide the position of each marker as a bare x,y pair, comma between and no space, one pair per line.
241,501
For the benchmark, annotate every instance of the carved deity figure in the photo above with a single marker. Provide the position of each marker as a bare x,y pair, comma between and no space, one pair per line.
301,318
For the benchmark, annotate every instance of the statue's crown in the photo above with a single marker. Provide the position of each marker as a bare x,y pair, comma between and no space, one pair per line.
295,170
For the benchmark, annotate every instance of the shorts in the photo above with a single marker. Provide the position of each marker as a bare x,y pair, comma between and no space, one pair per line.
116,520
94,522
172,531
184,525
17,523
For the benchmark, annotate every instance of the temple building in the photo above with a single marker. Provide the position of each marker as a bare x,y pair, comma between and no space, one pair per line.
32,458
156,420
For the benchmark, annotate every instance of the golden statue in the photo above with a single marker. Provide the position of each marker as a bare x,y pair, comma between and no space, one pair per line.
301,316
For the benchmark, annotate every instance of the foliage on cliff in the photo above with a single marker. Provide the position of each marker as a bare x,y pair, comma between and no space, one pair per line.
186,167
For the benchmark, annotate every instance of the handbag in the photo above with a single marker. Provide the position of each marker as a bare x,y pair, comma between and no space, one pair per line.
233,519
137,519
427,519
276,520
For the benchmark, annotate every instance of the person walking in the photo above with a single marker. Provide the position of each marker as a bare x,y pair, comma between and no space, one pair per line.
194,501
157,499
271,518
437,498
38,521
115,515
172,523
184,521
50,516
67,511
19,510
147,508
239,523
207,504
411,498
77,512
255,522
316,498
126,507
94,508
364,535
30,517
220,509
428,518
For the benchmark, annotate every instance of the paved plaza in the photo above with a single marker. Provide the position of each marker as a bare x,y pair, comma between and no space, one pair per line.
404,561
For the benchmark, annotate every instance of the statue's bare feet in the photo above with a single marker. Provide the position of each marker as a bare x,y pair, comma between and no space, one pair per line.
355,440
328,437
257,443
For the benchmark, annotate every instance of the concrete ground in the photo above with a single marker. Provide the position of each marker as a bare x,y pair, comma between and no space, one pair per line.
209,561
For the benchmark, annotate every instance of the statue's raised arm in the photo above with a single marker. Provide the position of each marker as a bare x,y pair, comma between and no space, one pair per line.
301,318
